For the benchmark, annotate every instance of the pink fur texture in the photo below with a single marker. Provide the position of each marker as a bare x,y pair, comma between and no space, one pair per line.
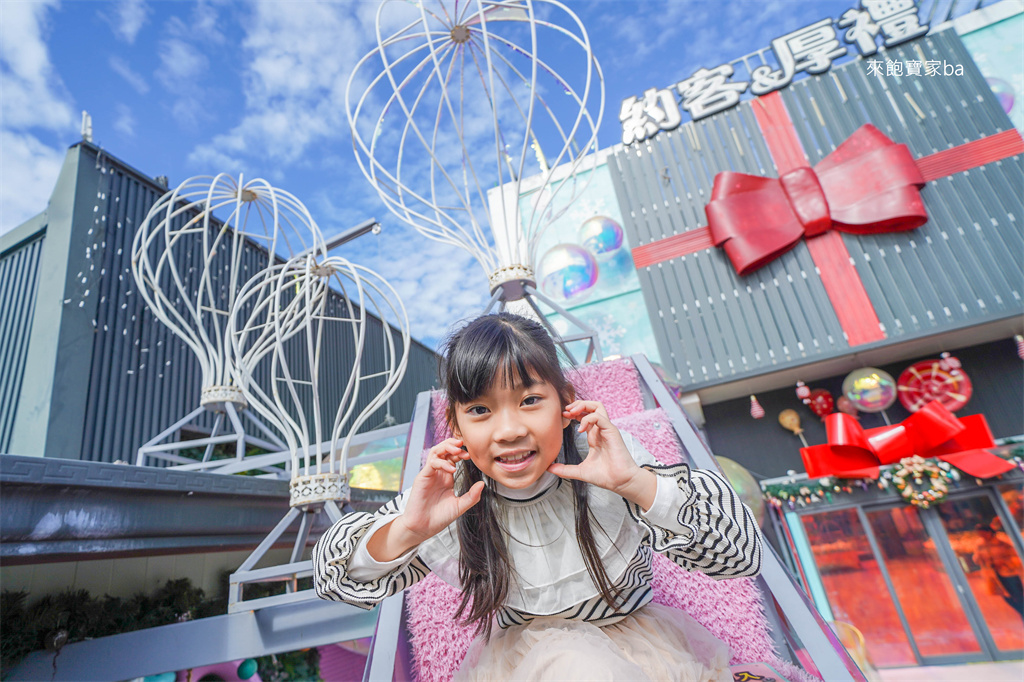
732,610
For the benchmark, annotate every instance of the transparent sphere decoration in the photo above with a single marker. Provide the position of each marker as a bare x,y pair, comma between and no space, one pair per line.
870,389
1003,92
200,243
287,316
567,272
464,97
601,235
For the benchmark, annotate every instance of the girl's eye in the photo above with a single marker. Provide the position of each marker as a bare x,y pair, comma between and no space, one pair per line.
531,400
477,410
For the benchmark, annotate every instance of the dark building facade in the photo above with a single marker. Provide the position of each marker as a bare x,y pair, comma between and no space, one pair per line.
88,373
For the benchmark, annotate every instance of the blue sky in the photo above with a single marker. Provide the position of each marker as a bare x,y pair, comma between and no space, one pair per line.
195,88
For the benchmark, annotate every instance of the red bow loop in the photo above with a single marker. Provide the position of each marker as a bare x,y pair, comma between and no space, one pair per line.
868,184
933,431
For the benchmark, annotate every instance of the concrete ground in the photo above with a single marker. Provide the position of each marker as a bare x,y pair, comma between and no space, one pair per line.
1004,671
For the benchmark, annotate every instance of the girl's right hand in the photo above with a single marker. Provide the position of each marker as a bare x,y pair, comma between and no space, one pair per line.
432,504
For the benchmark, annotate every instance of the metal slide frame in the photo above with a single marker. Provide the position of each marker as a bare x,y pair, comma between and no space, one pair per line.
390,653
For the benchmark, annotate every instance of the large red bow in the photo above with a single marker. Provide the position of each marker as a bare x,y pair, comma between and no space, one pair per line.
932,431
868,184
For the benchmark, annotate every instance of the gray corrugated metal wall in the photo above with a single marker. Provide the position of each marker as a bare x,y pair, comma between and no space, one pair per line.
962,268
19,275
141,377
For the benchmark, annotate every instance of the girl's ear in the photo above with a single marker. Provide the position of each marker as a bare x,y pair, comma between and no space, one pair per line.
572,398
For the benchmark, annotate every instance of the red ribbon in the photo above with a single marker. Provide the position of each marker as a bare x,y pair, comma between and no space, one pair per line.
932,431
868,184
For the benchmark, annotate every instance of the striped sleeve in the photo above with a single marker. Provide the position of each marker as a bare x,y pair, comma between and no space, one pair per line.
333,551
712,530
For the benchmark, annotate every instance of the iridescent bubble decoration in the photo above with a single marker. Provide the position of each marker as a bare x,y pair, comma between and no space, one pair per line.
1003,92
745,485
870,389
567,272
601,236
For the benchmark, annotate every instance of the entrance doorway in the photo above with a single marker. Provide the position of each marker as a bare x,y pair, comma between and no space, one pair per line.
926,587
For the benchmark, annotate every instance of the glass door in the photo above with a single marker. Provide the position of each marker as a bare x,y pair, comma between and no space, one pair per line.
937,618
987,551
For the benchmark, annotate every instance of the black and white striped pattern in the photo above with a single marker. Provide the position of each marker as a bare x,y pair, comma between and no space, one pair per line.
721,539
330,558
634,587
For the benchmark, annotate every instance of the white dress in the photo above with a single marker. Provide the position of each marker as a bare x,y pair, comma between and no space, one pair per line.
555,624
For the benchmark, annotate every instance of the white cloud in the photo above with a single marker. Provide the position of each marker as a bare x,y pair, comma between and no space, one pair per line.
28,172
127,19
34,98
180,63
300,55
33,94
124,124
133,78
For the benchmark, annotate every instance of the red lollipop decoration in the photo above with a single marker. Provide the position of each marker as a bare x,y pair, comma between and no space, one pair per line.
821,403
846,406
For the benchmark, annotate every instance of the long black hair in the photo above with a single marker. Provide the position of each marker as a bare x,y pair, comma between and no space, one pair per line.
512,350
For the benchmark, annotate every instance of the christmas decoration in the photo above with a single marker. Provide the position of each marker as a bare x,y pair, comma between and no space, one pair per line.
846,406
821,402
916,469
793,494
756,411
791,420
932,431
803,392
870,389
1020,345
939,379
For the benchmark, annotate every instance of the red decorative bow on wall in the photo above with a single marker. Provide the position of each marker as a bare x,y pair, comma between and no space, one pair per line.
868,184
932,431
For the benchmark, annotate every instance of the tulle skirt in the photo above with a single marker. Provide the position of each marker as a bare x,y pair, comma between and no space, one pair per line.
654,643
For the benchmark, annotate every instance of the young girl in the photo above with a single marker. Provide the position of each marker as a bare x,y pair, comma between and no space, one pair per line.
545,516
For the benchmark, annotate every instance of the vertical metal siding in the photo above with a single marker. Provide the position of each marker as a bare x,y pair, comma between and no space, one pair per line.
143,378
964,267
19,275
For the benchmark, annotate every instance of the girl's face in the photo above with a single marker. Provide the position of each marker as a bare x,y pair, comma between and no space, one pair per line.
513,434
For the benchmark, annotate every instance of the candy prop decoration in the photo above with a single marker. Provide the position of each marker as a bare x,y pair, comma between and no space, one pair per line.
745,485
1020,345
198,245
846,406
756,411
452,102
939,379
803,392
821,402
790,420
870,389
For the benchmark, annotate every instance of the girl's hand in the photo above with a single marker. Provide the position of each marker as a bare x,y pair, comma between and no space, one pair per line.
432,504
609,464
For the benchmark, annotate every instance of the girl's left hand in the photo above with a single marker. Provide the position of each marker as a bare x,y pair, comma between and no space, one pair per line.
609,464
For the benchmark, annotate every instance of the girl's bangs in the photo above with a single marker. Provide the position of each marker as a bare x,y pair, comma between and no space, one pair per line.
503,357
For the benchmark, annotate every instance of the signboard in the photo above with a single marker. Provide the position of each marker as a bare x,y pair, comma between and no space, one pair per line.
812,48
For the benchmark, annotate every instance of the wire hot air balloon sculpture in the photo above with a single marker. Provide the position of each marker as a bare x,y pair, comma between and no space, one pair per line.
285,318
199,244
452,109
